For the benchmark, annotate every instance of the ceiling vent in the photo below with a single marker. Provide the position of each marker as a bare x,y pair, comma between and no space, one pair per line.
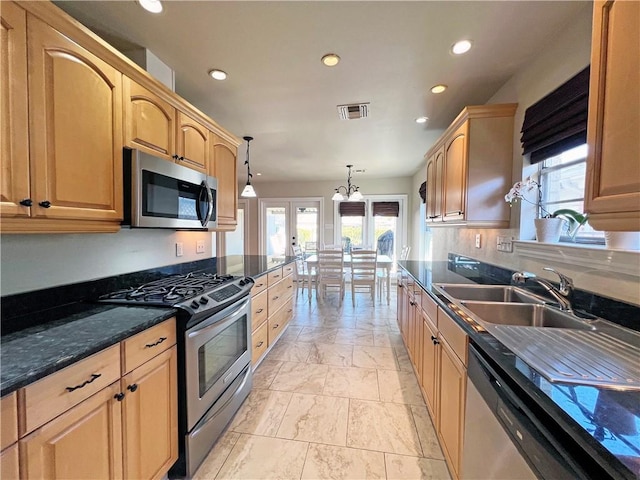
353,111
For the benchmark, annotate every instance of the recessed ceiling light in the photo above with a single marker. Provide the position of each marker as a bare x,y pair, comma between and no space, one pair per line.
438,88
422,119
330,59
218,74
463,46
258,174
153,6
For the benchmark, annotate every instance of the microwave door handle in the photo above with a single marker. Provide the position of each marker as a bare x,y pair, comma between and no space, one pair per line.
204,218
209,202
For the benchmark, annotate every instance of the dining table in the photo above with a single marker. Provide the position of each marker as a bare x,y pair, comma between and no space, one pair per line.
382,261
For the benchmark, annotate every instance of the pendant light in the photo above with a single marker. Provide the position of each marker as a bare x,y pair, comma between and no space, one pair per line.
351,192
248,188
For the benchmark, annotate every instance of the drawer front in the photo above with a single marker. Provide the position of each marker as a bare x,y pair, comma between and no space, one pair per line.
430,307
453,334
9,464
279,320
288,269
260,284
47,398
259,310
146,345
8,420
279,294
259,343
274,276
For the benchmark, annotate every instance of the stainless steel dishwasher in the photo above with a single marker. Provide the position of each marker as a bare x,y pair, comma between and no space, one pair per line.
500,441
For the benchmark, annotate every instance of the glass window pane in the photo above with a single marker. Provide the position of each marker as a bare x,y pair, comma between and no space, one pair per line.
276,232
306,225
352,232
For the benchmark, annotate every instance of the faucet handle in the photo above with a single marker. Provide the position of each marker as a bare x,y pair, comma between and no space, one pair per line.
521,277
566,283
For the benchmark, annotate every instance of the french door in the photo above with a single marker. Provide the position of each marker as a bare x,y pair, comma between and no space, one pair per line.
287,222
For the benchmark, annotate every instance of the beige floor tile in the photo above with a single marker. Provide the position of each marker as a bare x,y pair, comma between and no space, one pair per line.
289,352
352,382
320,335
374,357
397,386
426,433
316,418
291,333
351,336
404,362
265,373
217,456
401,467
368,323
300,377
386,338
254,458
261,413
337,322
329,462
385,427
331,354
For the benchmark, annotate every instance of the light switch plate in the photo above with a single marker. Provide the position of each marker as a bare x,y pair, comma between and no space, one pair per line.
478,240
504,244
179,249
200,246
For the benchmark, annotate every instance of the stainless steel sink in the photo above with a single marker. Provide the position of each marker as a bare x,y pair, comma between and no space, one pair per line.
524,315
489,293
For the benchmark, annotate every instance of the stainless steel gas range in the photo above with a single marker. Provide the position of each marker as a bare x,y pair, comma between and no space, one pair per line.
214,353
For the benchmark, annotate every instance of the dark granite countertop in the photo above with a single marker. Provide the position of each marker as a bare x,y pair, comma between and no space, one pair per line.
606,442
80,330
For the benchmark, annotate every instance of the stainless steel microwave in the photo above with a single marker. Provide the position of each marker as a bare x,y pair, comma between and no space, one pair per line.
162,194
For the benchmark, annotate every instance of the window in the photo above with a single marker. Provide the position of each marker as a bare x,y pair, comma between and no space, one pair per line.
563,178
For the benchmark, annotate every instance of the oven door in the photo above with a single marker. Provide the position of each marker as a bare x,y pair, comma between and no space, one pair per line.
217,350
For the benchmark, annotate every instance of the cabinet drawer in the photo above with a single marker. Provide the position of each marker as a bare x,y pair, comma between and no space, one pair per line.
260,285
279,320
274,276
453,334
146,345
9,464
279,294
430,307
8,420
258,310
47,398
259,343
288,269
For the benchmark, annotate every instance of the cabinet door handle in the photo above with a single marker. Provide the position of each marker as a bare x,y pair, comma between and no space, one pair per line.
94,376
119,396
150,345
260,310
259,345
132,388
27,202
175,157
45,204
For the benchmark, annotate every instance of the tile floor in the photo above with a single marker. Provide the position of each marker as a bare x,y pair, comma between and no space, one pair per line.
336,398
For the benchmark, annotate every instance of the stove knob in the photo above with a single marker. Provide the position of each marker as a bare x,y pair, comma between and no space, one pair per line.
248,280
194,305
204,300
241,282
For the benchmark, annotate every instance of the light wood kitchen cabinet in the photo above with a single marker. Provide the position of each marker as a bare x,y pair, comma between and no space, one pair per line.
469,169
150,417
84,442
10,463
14,138
223,166
192,144
430,365
149,121
612,194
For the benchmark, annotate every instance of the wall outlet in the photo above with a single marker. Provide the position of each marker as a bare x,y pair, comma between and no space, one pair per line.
200,246
504,244
478,238
179,249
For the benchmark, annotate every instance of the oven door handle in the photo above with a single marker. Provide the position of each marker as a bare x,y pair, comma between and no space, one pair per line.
214,322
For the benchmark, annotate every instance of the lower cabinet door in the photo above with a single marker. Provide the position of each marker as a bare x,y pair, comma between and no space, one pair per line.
85,442
150,417
9,466
430,369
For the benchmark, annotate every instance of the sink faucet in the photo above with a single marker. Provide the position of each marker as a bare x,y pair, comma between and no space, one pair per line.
563,294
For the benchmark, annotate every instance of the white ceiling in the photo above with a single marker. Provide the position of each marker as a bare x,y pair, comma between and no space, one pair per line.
279,92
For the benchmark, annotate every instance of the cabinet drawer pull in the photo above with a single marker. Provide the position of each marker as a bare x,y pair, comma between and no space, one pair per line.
132,388
276,326
260,285
260,310
290,286
94,376
276,276
119,396
27,202
276,297
150,345
259,345
45,204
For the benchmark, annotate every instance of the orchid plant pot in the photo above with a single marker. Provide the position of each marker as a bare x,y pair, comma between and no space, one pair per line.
548,230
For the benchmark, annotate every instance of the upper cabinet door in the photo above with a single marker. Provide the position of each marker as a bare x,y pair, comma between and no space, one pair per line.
75,110
435,166
455,171
149,121
224,167
14,139
613,167
193,144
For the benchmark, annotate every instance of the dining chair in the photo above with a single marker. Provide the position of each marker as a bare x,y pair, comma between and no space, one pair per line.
363,273
330,272
304,277
331,246
383,272
310,248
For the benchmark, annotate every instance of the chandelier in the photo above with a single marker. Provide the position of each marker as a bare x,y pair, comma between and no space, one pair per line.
248,188
351,192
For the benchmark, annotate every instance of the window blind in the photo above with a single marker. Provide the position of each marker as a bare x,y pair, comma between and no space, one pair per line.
351,209
557,122
386,209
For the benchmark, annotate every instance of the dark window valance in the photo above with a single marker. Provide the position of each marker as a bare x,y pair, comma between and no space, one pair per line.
558,122
351,209
386,209
423,192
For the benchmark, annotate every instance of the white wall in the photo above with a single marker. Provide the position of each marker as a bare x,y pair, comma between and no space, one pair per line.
34,262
